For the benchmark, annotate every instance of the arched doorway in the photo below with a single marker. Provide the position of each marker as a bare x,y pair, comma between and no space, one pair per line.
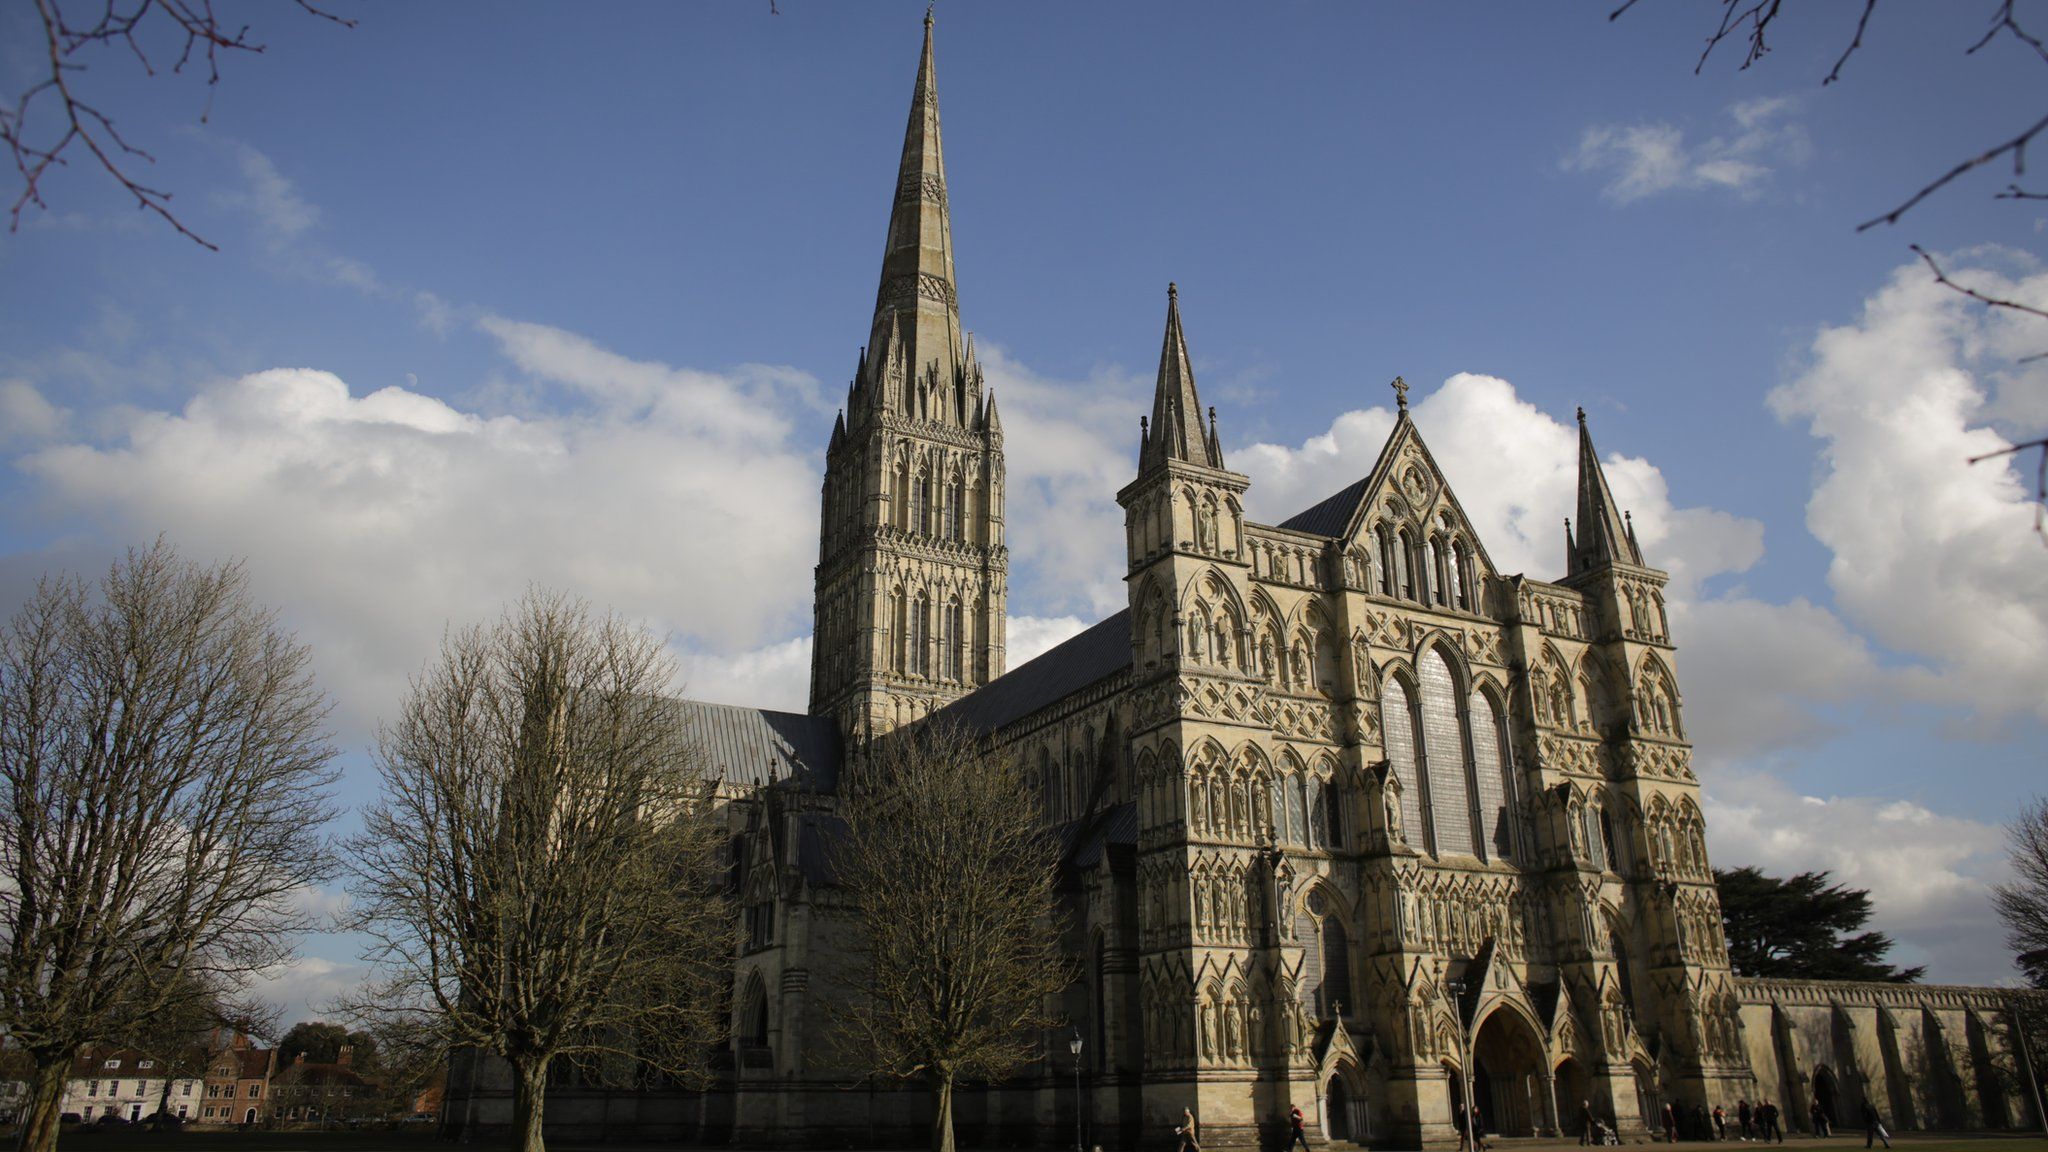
1649,1097
1824,1094
1507,1075
1574,1091
1454,1085
1337,1111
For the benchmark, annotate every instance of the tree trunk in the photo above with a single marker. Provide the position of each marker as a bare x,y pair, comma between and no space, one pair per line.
529,1102
942,1111
43,1110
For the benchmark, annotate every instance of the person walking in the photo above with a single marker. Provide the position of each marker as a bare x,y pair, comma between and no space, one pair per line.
1298,1138
1586,1133
1720,1123
1477,1124
1670,1125
1873,1127
1819,1116
1188,1140
1743,1115
1767,1123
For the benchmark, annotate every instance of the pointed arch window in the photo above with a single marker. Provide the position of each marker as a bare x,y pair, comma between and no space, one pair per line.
1336,990
954,497
1397,720
920,501
920,636
1443,754
1297,810
1385,549
1405,557
899,632
899,515
1490,779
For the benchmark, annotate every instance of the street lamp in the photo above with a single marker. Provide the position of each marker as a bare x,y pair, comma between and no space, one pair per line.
1466,1124
1074,1046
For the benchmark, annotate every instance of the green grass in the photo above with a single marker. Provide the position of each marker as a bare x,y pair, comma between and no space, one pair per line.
88,1139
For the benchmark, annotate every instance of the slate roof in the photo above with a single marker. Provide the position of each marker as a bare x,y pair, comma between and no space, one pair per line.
1118,826
1330,516
1066,668
754,747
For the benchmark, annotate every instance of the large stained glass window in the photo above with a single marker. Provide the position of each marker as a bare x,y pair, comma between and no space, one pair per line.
1397,720
1490,777
1443,756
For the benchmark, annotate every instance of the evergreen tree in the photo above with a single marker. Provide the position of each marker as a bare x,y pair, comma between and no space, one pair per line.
1803,928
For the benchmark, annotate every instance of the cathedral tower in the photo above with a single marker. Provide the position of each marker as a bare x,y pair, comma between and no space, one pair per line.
1680,996
912,572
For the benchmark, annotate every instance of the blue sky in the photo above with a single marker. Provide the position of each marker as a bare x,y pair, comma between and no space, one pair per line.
532,294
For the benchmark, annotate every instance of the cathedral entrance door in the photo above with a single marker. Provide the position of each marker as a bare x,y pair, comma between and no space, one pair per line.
1574,1095
1508,1080
1337,1110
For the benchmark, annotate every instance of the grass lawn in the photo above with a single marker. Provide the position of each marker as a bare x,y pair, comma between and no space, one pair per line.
89,1139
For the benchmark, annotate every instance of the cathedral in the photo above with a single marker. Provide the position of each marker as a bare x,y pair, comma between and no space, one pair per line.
1351,821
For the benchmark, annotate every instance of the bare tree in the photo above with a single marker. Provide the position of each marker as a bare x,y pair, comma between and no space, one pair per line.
1752,22
53,116
539,875
951,882
2022,902
162,760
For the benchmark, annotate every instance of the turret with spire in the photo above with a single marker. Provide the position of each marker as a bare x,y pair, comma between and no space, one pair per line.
1184,513
912,568
1175,431
1603,538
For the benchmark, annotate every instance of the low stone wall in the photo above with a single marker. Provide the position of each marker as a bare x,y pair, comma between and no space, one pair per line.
1927,1056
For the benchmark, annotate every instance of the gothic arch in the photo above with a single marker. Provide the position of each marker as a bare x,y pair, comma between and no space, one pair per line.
750,1021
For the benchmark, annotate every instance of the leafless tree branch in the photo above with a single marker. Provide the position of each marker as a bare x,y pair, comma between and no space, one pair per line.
1941,278
1862,22
77,122
2004,22
2040,475
2015,147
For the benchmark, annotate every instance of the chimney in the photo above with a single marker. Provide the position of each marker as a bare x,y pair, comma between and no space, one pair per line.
299,1059
347,1053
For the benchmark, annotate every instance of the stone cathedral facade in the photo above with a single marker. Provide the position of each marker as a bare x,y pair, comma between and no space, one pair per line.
1353,821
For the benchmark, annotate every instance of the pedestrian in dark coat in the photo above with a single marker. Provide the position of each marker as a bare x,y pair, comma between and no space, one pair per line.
1743,1114
1873,1128
1586,1123
1720,1123
1670,1125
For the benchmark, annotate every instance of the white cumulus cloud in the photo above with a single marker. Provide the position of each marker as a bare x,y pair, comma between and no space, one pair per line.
1933,557
1068,447
1641,160
1928,874
376,517
1514,470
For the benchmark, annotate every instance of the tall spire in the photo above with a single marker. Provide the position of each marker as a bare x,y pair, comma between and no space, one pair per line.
915,304
1176,431
1603,538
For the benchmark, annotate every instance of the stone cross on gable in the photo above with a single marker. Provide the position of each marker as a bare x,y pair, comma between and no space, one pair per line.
1400,387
